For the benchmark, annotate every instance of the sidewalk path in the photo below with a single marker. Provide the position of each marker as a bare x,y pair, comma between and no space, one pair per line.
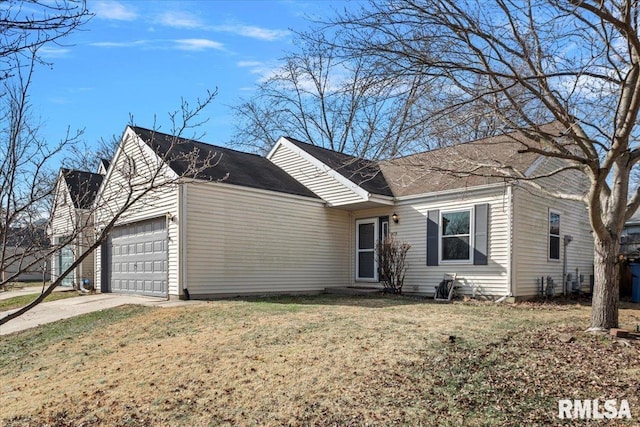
48,312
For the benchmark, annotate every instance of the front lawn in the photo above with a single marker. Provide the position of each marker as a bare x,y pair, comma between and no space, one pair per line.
323,360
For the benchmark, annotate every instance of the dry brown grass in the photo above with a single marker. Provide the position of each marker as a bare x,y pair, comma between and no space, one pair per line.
314,361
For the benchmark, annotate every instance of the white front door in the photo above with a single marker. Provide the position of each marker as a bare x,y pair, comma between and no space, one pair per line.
366,260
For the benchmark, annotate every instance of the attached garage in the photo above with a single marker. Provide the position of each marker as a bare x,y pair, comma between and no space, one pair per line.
137,258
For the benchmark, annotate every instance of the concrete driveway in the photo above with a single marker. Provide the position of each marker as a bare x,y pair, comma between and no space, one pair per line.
53,311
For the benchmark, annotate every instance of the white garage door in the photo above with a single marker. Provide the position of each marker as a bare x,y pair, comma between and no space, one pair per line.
139,258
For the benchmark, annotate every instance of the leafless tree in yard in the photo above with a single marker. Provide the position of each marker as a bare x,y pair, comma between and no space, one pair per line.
136,187
526,63
29,26
26,29
343,104
29,164
27,176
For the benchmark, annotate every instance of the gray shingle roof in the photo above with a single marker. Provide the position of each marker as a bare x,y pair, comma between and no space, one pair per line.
220,164
460,166
83,186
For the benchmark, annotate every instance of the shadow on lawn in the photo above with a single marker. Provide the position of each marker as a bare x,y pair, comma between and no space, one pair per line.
377,300
380,300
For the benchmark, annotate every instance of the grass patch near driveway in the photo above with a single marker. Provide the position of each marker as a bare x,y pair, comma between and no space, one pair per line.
22,300
323,360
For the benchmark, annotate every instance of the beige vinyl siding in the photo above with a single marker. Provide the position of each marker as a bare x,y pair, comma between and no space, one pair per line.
474,280
62,221
531,241
84,242
317,180
63,214
118,186
241,240
67,221
161,202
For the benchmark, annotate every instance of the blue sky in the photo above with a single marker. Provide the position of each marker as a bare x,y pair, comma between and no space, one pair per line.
141,57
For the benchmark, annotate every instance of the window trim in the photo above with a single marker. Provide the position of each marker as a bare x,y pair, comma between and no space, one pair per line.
384,230
471,234
549,235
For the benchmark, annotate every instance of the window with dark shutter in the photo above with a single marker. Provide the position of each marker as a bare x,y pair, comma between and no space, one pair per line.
554,236
458,236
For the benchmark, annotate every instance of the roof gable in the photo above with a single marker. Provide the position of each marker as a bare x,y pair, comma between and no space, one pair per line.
362,172
226,165
82,186
103,166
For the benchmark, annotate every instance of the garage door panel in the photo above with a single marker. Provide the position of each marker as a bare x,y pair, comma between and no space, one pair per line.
139,258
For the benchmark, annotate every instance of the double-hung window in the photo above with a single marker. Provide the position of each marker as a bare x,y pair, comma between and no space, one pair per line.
455,235
458,236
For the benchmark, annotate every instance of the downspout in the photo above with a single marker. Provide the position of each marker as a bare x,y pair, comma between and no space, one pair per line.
511,234
182,238
77,273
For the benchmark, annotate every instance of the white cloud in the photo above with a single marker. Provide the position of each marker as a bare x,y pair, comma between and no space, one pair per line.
113,10
178,19
249,64
252,31
264,70
121,44
53,52
198,44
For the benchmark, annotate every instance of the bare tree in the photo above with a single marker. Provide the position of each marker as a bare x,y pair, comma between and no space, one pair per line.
135,189
325,99
26,26
576,63
26,178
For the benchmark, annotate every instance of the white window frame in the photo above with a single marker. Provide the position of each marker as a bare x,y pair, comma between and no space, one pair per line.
384,231
376,235
441,236
549,235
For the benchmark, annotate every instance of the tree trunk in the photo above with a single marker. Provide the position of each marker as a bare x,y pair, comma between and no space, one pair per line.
606,290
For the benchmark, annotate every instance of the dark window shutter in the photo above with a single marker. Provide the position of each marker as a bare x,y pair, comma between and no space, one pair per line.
432,237
481,235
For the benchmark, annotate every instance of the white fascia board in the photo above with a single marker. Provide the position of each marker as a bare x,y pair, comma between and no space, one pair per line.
532,168
325,168
65,190
115,158
383,200
275,148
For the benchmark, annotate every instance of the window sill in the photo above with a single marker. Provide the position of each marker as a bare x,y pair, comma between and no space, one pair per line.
453,262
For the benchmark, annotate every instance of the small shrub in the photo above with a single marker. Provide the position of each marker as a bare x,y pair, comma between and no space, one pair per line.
392,263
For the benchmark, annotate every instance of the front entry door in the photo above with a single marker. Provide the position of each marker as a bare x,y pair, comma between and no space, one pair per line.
366,260
65,259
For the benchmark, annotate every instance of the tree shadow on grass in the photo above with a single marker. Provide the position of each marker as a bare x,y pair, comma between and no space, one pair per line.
377,300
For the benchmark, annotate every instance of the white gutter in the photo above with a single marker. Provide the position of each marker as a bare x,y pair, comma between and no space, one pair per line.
437,194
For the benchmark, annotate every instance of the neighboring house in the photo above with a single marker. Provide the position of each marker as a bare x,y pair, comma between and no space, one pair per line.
630,244
23,247
304,218
72,221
